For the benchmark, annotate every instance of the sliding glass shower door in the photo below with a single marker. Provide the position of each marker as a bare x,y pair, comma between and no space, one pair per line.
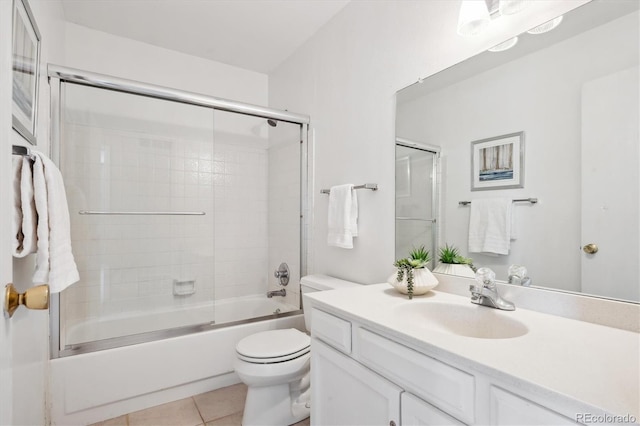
416,199
140,185
180,214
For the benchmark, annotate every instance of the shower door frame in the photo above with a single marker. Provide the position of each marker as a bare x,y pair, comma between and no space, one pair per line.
58,75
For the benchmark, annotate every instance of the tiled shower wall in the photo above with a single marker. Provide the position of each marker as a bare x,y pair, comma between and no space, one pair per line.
128,264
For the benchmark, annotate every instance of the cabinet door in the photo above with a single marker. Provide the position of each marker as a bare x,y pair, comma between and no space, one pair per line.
416,412
510,409
346,393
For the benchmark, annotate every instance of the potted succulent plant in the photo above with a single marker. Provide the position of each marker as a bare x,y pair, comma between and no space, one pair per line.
412,276
452,263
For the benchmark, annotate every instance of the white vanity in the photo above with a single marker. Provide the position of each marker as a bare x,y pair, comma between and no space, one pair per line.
379,358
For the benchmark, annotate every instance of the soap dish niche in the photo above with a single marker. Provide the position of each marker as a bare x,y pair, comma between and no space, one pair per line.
184,287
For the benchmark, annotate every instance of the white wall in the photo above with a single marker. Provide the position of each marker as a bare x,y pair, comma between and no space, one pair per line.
539,94
96,51
345,77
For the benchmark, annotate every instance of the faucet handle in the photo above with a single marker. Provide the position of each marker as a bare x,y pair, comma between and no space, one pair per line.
517,271
485,277
518,275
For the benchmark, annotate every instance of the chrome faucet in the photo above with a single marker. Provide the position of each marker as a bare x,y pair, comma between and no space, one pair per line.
282,292
484,291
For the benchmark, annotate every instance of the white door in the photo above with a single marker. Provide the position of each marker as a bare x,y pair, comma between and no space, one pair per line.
6,370
345,393
24,337
611,185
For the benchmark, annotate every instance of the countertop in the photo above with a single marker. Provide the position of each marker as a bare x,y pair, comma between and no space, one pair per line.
592,364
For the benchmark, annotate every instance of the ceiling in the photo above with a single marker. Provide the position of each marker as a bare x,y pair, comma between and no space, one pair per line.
253,34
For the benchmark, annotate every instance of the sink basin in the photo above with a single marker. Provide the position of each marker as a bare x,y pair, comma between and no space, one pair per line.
470,320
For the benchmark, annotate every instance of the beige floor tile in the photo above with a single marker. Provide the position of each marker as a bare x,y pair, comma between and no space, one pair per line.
116,421
178,413
221,402
232,420
305,422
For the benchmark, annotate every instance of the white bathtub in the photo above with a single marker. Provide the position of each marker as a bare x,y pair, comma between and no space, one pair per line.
219,312
95,386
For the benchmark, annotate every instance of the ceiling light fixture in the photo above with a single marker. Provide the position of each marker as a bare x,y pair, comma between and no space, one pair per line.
504,45
475,15
546,27
473,18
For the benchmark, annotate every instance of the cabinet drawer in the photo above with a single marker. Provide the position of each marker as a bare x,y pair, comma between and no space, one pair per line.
448,388
510,409
332,330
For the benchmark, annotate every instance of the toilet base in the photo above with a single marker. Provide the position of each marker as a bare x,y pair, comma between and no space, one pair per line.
272,406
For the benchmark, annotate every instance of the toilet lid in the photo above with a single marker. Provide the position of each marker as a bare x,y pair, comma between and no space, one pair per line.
274,345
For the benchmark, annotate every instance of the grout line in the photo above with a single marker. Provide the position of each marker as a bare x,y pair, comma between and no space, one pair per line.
198,408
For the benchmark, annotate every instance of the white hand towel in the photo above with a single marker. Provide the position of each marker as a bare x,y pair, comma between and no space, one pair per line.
24,210
343,216
54,261
490,225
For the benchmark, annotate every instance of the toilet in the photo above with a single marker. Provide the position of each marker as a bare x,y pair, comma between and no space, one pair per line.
275,364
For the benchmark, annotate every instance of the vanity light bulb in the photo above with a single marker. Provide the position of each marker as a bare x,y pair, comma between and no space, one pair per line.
510,7
473,18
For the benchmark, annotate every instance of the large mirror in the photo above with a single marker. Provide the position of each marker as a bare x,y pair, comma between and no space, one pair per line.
554,119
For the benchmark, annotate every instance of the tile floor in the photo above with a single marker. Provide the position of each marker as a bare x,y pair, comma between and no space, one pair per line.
221,407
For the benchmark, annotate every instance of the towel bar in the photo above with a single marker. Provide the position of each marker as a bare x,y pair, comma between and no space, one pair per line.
21,150
518,200
92,212
371,186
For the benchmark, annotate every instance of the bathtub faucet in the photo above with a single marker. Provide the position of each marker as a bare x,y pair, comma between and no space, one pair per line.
282,292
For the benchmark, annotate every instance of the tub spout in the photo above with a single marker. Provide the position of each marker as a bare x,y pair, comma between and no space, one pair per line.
282,292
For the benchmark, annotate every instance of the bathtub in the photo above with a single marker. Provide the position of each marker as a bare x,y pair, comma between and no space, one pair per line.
96,386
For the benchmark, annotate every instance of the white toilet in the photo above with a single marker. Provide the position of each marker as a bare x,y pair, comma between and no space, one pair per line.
275,364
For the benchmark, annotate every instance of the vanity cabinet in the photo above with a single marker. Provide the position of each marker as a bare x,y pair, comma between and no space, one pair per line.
366,378
346,393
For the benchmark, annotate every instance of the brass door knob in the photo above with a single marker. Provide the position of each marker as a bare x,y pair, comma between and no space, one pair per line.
590,248
34,298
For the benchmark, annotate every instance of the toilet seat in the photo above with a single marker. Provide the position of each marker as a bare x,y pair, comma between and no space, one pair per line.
273,346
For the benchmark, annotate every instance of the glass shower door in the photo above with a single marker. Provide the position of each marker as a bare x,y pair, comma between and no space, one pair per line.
416,200
138,173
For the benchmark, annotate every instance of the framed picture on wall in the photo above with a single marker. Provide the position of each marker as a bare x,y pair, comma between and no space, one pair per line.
498,162
26,63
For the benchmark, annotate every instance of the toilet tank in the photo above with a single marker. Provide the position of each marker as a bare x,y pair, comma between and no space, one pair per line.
311,283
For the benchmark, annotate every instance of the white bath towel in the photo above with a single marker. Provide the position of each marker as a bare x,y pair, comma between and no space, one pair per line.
343,216
24,210
54,261
490,225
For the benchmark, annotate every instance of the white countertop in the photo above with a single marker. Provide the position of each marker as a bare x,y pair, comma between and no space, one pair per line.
592,364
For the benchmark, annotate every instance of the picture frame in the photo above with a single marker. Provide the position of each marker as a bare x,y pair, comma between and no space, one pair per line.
498,162
26,71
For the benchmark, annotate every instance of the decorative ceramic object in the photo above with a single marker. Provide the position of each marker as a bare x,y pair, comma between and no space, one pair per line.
423,282
459,269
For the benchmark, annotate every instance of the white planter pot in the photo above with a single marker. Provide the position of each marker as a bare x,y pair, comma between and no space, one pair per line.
423,281
455,269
